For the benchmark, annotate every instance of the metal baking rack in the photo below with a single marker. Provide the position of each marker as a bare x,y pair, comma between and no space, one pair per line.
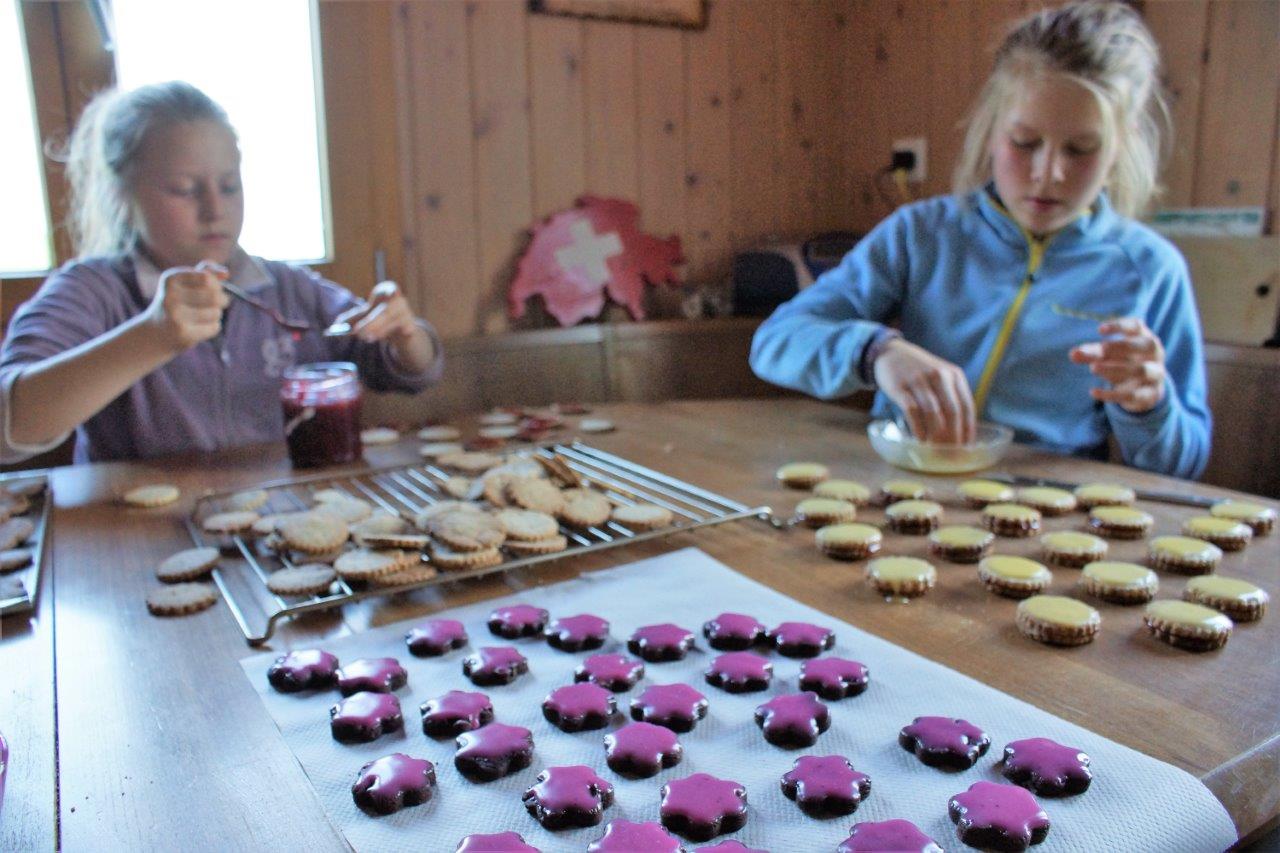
407,490
23,599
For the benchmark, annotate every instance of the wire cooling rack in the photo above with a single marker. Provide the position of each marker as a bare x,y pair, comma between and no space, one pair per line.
19,592
406,491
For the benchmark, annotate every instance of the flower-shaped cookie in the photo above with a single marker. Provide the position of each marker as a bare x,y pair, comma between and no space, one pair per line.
494,665
944,742
642,749
577,633
493,751
825,785
392,782
303,669
801,639
623,836
740,672
658,643
454,713
734,632
376,675
365,716
834,678
991,816
565,797
700,806
518,620
793,720
611,671
576,707
676,706
1046,767
435,637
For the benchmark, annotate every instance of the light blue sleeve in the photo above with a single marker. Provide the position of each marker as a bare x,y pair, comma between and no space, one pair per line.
1174,437
814,342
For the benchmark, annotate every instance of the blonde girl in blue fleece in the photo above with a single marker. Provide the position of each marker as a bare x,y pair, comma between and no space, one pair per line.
1029,297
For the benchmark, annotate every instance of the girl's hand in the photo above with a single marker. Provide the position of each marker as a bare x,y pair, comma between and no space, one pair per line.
933,393
1132,363
385,317
188,304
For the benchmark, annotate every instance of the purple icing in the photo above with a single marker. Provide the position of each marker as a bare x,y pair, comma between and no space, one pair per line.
657,643
793,720
435,637
1047,767
565,797
576,633
454,713
386,785
801,639
944,742
825,785
494,665
888,835
518,620
365,716
623,836
378,675
575,707
642,749
734,632
497,842
612,671
833,678
1003,817
676,706
304,669
493,751
730,846
740,672
700,806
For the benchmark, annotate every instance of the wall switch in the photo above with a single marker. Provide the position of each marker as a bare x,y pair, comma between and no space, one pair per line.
915,146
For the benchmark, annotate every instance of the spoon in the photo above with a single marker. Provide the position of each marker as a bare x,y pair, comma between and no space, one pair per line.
295,326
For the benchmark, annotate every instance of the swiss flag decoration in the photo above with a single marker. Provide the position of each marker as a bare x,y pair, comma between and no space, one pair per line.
578,255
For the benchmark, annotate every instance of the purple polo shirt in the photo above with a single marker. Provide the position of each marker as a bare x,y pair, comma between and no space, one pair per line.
221,393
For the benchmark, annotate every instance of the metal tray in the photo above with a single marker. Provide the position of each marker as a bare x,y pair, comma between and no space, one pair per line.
406,490
21,598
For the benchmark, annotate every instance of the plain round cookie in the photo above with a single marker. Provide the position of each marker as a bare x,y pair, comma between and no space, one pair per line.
181,599
229,522
248,500
439,433
148,497
187,565
584,507
527,525
379,435
642,516
307,579
312,532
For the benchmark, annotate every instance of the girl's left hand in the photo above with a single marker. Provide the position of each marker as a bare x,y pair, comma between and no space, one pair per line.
1133,363
385,316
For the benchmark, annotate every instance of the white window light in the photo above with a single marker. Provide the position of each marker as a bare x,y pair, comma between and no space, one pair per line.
259,60
26,244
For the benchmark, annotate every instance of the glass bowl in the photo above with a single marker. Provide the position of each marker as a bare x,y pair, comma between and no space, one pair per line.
897,447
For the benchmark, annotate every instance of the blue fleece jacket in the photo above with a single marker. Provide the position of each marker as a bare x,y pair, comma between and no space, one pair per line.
950,271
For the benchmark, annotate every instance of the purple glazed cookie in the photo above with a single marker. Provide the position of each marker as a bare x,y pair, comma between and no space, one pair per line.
879,836
375,675
740,672
825,785
392,782
579,707
700,806
454,713
730,846
659,643
801,639
518,620
577,633
676,706
304,669
365,717
991,816
493,751
1046,767
734,632
834,678
567,797
944,742
497,842
494,665
642,749
435,637
623,836
793,720
612,671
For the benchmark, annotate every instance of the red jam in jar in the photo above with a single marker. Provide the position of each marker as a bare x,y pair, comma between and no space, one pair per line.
322,413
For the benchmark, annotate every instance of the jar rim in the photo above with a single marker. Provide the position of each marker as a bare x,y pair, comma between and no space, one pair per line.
321,370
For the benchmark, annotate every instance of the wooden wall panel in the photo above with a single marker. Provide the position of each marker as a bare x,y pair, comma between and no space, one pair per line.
757,179
660,79
708,244
558,114
610,85
1181,29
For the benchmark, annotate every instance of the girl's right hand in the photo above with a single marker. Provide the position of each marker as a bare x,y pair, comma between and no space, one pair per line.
932,392
188,304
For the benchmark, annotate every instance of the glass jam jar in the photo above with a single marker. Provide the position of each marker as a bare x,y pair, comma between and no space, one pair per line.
322,413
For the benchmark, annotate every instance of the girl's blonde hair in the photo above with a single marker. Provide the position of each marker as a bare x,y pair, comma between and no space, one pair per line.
1104,47
102,157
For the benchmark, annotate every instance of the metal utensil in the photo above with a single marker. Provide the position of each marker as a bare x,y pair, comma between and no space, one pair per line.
1140,494
291,325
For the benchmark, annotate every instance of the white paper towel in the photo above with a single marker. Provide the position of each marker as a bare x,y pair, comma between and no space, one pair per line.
1135,803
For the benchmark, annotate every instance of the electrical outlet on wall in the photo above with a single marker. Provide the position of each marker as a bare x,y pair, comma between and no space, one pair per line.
916,148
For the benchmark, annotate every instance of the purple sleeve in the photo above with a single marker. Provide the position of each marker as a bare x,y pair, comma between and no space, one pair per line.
71,308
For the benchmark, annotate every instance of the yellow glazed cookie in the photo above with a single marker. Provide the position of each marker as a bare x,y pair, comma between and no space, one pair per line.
1072,550
819,512
904,576
802,475
1014,520
151,496
1184,555
848,541
1048,500
1057,620
892,491
960,544
1013,577
1260,518
843,490
1119,583
979,493
1120,522
1227,533
1104,494
1187,626
913,516
1238,599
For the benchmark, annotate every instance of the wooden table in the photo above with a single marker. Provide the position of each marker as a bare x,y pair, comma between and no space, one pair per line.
162,742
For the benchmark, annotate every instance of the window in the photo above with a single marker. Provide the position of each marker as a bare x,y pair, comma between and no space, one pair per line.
259,61
25,238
